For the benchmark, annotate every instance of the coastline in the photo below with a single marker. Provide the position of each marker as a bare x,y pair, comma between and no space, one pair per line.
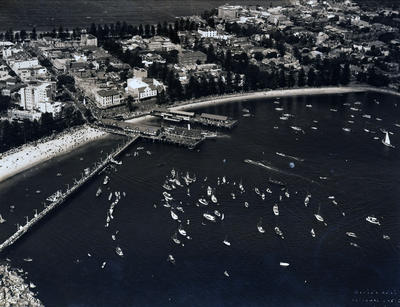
210,101
19,159
14,161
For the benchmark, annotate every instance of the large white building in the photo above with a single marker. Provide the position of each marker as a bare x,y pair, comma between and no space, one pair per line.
108,98
140,89
34,93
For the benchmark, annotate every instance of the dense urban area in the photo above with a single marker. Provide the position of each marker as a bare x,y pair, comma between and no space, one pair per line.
51,81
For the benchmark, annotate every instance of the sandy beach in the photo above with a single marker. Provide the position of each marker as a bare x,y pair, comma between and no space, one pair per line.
21,158
270,94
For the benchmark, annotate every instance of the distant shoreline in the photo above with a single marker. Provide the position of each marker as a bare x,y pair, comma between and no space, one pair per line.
209,101
15,160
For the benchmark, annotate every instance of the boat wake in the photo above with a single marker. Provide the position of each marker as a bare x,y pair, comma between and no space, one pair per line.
290,157
276,170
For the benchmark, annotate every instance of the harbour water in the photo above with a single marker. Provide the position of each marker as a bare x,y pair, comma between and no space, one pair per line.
349,174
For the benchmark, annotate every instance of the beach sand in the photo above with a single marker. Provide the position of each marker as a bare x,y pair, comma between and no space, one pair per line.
269,94
24,157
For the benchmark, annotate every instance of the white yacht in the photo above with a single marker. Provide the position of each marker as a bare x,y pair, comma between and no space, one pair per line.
209,217
209,191
173,215
203,201
284,264
119,252
319,217
312,232
275,209
351,234
214,199
372,220
386,141
226,242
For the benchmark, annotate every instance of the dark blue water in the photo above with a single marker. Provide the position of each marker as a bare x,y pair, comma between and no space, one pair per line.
326,270
45,15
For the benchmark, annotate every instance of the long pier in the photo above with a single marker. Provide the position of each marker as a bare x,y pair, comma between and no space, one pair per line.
63,197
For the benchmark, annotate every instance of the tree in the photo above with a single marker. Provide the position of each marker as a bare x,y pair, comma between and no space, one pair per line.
291,79
345,75
130,103
301,78
282,78
311,77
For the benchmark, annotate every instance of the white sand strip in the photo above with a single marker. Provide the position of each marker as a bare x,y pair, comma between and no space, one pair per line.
19,159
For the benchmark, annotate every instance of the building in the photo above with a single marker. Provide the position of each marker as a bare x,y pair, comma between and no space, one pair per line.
139,73
208,32
88,40
35,93
228,12
140,89
54,108
108,98
32,115
191,57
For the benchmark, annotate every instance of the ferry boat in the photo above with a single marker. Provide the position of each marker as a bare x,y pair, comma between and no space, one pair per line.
54,197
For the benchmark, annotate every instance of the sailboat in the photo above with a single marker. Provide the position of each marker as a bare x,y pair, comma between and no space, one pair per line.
386,141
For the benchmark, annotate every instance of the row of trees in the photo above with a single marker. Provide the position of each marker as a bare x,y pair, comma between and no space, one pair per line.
13,134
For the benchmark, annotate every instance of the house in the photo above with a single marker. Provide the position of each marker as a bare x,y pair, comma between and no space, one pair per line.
108,98
191,57
229,12
88,40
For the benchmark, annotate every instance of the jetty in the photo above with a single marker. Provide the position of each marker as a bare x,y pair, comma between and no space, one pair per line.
186,137
203,119
63,196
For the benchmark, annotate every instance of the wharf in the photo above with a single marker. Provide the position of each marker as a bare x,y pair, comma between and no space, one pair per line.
64,196
204,119
170,135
